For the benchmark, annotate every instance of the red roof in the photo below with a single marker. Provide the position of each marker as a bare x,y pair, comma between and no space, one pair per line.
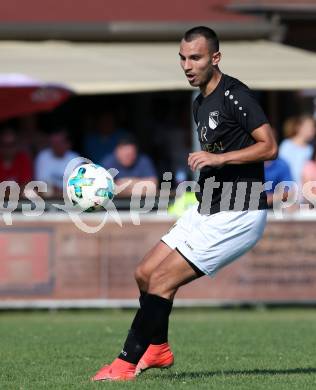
31,11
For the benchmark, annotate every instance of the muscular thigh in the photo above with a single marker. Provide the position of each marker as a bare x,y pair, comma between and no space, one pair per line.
174,271
154,257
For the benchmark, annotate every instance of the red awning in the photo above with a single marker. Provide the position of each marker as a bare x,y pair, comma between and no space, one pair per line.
21,95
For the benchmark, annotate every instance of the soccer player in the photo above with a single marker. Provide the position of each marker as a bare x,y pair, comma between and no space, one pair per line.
230,217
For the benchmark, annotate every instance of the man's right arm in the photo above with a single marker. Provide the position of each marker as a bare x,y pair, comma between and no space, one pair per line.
265,148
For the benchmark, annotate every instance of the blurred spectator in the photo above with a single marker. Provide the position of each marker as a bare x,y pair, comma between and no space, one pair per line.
104,140
133,166
15,164
309,172
277,171
31,137
296,150
50,163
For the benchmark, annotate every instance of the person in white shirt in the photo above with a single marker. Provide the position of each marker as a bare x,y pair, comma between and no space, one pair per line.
297,149
51,162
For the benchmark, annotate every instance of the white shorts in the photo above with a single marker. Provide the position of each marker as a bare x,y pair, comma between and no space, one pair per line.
211,242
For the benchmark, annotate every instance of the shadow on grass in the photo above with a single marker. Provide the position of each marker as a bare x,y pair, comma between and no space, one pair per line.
257,371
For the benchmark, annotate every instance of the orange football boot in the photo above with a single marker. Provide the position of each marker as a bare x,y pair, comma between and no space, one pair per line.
118,370
156,356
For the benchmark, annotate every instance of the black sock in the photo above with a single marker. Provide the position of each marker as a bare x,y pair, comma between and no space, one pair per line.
135,321
150,319
161,336
141,302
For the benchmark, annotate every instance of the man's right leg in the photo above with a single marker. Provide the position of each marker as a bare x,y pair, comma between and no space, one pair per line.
142,275
158,353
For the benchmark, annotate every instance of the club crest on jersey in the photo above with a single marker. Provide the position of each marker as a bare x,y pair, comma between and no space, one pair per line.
213,120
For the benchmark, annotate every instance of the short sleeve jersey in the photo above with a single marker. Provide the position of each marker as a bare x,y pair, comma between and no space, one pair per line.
225,121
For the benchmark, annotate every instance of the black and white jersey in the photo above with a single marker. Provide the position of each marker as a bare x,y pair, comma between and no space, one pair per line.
225,120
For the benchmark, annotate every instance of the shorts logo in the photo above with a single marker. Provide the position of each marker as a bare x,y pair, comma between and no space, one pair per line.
213,120
188,245
172,227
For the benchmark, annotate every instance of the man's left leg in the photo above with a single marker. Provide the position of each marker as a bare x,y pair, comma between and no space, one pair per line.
164,282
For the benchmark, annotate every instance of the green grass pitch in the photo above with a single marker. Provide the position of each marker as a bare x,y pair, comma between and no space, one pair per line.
214,349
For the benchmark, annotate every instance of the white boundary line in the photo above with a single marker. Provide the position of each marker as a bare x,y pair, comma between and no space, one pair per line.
93,217
149,217
133,303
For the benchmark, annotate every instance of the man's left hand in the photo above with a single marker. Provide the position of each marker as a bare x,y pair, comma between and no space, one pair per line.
198,160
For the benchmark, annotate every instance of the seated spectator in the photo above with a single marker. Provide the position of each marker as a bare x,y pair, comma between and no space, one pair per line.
15,164
309,174
50,163
133,166
104,140
296,150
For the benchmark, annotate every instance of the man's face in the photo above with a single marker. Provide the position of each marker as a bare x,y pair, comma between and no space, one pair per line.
126,154
197,61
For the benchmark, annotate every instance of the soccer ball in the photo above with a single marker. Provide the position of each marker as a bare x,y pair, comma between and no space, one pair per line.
90,186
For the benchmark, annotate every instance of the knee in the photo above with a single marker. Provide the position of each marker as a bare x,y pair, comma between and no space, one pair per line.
158,284
141,276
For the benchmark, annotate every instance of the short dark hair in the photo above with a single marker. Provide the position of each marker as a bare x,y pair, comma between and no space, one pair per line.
207,33
127,139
